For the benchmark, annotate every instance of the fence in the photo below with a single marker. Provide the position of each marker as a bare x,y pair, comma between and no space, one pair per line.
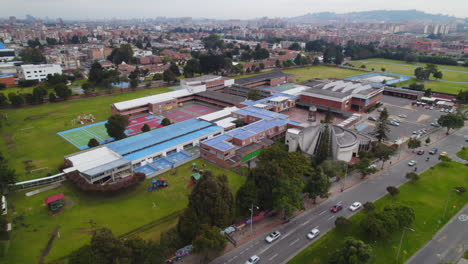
41,181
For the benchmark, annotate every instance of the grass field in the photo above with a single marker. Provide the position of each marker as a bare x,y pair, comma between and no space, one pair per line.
451,88
408,69
427,197
83,213
29,140
463,153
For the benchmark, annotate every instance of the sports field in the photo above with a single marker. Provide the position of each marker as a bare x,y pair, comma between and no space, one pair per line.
188,111
80,136
428,198
83,213
29,140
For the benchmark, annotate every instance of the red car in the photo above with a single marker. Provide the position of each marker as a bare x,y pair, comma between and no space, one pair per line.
336,208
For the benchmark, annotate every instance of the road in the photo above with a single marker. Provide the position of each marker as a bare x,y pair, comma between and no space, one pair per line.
293,238
448,244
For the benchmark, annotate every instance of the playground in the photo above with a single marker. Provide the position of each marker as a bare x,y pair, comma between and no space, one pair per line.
80,136
82,214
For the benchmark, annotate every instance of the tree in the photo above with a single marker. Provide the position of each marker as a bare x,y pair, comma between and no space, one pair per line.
295,46
169,76
2,86
133,83
245,197
278,64
286,195
421,73
374,227
413,143
165,121
428,140
62,91
381,128
339,58
316,61
52,97
428,92
209,240
382,152
210,202
369,207
116,125
317,184
32,55
333,168
353,252
343,224
39,93
192,66
363,167
261,54
253,94
124,53
3,99
438,75
382,69
213,42
16,99
412,176
392,190
87,87
451,121
175,69
145,128
93,143
7,175
83,255
56,78
324,148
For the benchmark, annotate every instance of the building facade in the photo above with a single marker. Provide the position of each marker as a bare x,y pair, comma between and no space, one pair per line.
38,72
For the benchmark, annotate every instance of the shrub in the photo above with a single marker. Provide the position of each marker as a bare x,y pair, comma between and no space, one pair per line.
393,190
369,206
343,224
412,176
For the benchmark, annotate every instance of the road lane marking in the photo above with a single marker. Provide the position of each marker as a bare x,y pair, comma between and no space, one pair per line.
323,212
330,218
274,256
305,223
294,242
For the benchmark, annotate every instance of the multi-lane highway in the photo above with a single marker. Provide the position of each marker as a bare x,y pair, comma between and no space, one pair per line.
293,238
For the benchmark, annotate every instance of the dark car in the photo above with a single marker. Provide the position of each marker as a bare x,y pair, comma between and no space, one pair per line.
433,151
336,208
371,118
420,152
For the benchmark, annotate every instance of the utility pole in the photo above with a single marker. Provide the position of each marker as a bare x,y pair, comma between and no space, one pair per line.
251,217
401,241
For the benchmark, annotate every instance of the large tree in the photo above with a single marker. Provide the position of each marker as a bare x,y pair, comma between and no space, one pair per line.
286,196
381,127
324,148
124,53
210,202
451,121
7,175
246,196
353,252
333,168
62,91
169,76
208,242
212,42
317,184
382,152
413,143
32,55
116,125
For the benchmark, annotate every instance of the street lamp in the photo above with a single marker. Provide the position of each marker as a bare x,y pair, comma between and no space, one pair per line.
401,241
251,216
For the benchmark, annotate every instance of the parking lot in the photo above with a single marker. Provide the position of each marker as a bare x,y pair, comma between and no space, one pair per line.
417,118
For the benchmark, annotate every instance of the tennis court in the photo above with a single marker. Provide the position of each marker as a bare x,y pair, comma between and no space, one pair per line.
136,124
178,157
79,137
146,169
161,164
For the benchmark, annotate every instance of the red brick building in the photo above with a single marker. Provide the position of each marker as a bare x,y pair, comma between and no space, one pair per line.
8,80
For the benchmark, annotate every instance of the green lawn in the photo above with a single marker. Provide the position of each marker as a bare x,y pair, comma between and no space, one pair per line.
29,140
321,72
463,153
401,68
427,197
448,67
451,88
121,214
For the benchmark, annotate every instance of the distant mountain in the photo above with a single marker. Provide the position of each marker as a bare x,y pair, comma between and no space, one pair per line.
387,16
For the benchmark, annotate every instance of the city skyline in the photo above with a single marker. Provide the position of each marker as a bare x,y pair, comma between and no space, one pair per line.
242,9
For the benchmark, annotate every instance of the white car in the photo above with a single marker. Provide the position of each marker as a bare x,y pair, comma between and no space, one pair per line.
431,108
412,163
393,123
355,206
253,259
313,233
273,236
403,116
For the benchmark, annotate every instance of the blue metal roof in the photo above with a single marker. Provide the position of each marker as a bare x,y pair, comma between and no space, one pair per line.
154,137
1,45
171,143
6,75
260,113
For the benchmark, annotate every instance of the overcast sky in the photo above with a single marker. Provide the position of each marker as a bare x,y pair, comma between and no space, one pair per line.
223,9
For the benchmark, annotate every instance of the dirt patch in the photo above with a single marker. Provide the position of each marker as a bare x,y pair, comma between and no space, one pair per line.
48,247
35,117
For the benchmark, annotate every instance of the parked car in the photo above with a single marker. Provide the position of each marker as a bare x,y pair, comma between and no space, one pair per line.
371,118
444,153
336,208
435,124
313,233
433,151
273,236
431,108
442,110
466,138
420,152
380,110
393,123
452,110
253,260
412,163
403,116
355,206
